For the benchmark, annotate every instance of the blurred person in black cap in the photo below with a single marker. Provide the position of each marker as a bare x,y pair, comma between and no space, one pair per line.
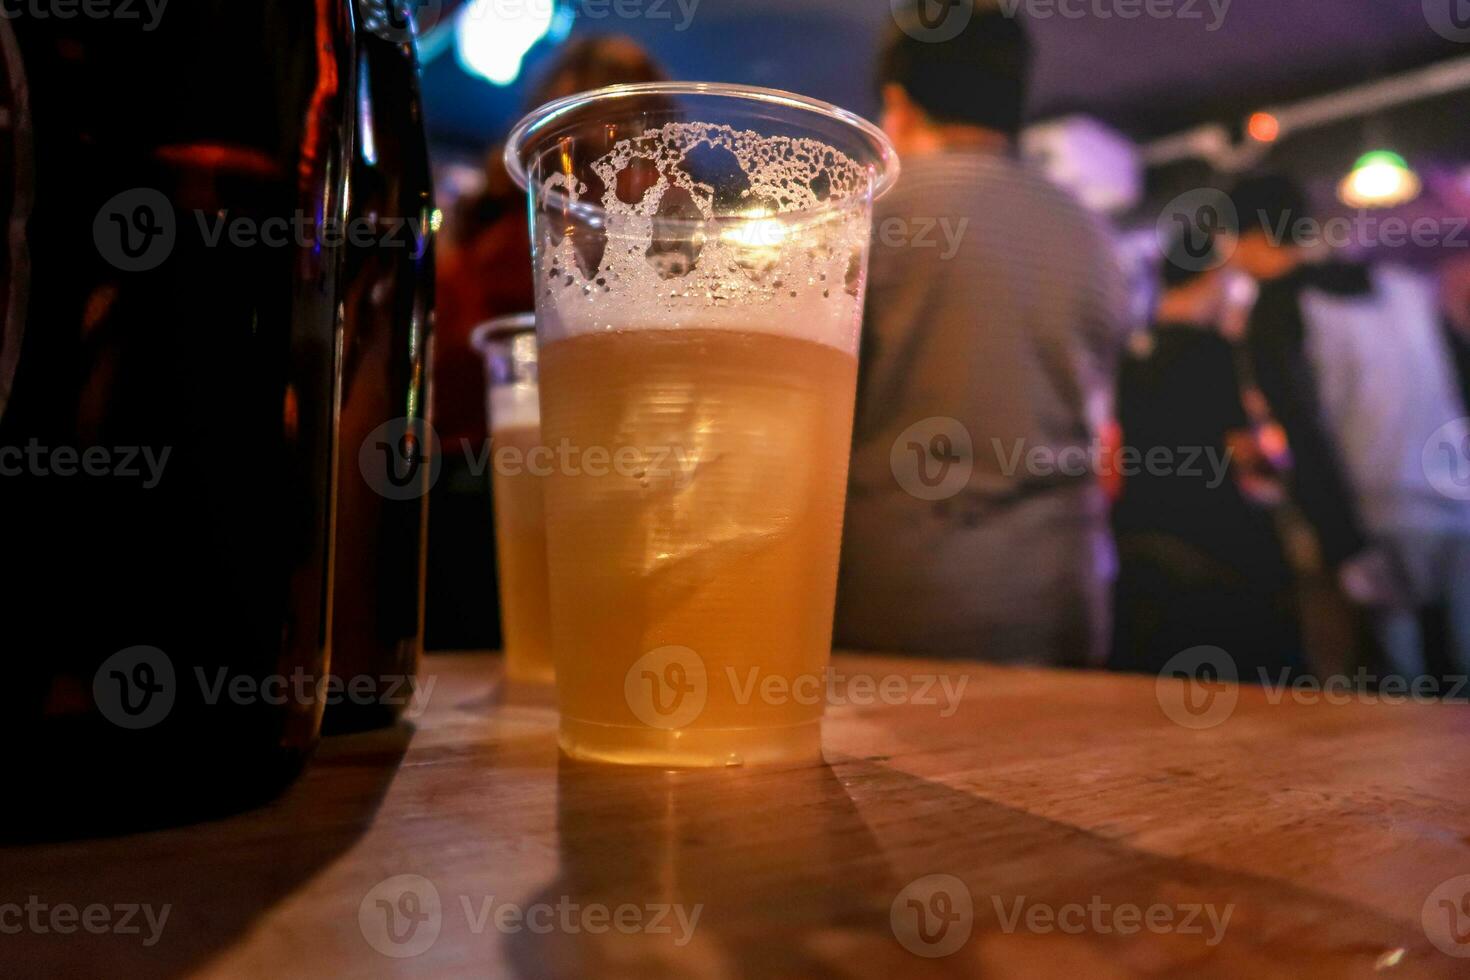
1200,562
1355,365
976,525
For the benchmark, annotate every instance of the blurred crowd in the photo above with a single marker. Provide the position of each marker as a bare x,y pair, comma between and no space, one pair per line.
1276,465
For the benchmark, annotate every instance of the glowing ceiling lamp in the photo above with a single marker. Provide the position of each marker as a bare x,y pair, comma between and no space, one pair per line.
1381,179
491,37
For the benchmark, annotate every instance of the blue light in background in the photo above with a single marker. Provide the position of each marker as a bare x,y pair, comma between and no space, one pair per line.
561,24
492,37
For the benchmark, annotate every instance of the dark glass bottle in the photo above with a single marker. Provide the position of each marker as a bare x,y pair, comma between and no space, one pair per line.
378,618
168,378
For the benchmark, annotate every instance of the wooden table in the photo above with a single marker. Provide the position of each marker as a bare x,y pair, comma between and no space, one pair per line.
1059,809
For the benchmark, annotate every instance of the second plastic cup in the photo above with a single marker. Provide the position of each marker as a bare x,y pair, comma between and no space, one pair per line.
700,255
508,345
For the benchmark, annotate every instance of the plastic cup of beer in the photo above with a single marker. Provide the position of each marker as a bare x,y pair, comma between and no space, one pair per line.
700,256
518,467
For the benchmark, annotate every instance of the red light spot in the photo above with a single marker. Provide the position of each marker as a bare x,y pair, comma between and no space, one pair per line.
1263,127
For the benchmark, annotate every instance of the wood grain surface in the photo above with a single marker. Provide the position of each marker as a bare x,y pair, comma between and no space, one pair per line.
1046,824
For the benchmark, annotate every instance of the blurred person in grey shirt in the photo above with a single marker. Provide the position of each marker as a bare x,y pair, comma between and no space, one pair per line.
996,314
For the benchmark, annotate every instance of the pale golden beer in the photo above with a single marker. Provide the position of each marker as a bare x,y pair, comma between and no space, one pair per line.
520,547
721,539
512,404
700,260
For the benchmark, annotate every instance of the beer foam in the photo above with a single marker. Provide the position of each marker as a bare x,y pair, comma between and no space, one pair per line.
780,247
514,406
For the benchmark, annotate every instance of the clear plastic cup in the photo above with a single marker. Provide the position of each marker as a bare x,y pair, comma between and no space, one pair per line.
508,345
700,256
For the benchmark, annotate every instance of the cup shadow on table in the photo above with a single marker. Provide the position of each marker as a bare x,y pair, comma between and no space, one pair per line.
797,874
216,877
